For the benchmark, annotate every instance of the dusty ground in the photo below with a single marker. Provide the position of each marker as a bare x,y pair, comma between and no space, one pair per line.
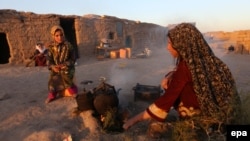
24,116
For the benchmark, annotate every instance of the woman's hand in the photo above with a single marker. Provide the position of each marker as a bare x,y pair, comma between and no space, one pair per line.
40,54
166,80
139,117
55,68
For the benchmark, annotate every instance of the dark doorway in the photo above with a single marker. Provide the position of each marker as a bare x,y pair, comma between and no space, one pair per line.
128,41
111,35
68,25
4,49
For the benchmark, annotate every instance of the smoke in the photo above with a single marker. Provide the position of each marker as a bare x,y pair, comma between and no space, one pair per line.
126,73
122,75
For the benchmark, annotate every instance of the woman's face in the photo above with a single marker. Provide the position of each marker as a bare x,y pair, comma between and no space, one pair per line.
40,46
58,36
170,48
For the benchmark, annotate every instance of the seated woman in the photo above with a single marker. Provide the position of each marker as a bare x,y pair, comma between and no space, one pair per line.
39,56
202,85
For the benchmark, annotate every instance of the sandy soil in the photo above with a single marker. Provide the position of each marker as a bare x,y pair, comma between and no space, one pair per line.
24,116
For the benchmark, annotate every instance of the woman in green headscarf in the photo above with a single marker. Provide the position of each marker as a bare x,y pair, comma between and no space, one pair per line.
202,85
61,59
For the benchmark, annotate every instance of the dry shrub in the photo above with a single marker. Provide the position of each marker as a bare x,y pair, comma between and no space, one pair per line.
198,129
205,129
245,111
112,122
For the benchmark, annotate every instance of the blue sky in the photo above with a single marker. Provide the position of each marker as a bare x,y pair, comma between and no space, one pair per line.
209,15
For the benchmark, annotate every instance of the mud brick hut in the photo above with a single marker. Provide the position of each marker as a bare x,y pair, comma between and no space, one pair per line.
20,31
240,40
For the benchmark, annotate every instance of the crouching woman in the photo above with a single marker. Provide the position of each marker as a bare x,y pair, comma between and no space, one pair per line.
202,85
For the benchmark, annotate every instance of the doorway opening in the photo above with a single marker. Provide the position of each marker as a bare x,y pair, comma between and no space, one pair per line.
68,25
4,49
111,35
128,41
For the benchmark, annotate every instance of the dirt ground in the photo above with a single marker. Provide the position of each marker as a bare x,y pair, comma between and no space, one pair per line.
24,115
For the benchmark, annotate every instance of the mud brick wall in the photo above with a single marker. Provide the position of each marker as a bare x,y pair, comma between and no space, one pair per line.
24,29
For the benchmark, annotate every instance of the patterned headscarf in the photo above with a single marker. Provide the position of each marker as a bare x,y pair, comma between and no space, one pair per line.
59,51
54,28
212,80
